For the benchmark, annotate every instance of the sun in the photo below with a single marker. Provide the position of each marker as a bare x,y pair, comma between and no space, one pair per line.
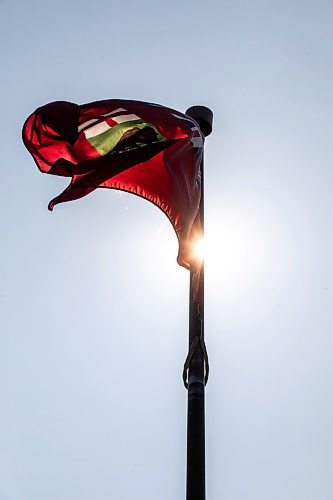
199,249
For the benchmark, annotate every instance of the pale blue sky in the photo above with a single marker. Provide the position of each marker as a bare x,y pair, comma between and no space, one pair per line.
93,304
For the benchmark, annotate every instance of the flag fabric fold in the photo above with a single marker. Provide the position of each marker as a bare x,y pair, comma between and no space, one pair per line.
142,148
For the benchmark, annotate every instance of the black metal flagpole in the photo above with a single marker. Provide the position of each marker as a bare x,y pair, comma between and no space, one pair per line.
196,365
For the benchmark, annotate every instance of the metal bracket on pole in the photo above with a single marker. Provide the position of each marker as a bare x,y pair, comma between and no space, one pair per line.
198,340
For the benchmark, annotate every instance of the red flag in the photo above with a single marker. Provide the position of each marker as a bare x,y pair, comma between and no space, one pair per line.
142,148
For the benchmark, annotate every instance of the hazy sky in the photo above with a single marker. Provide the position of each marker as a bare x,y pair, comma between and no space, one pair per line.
93,305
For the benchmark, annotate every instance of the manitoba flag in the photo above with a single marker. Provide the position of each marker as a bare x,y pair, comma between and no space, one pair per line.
142,148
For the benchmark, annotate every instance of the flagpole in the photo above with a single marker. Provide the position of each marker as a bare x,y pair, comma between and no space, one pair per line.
198,365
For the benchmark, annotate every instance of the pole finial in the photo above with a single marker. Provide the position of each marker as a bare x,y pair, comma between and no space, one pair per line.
203,116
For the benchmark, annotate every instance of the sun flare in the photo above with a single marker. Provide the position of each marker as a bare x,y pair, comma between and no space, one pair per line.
199,249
